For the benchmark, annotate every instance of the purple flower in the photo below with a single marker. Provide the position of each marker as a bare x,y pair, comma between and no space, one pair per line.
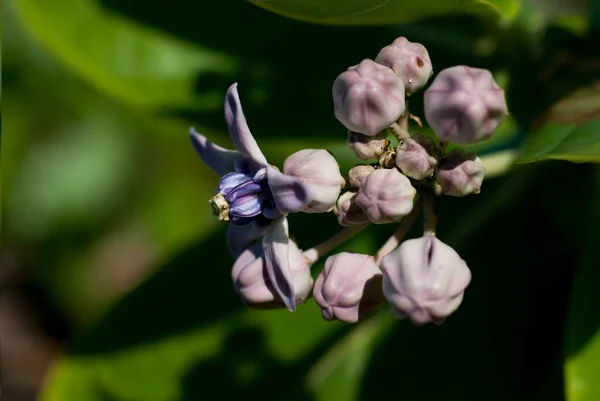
254,196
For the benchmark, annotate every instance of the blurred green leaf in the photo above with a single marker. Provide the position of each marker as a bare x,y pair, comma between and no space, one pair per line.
582,337
577,143
135,64
380,12
74,179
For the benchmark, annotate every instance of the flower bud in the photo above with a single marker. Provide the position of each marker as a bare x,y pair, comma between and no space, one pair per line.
319,170
386,196
251,280
358,173
368,98
424,279
367,147
409,61
415,157
461,173
349,287
464,105
348,212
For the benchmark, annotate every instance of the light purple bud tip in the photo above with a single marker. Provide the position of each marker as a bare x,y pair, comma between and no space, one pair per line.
367,147
461,173
368,98
349,287
252,282
348,212
409,61
424,279
464,105
416,157
386,196
320,173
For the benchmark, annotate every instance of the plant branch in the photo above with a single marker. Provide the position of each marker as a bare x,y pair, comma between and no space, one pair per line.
395,240
315,253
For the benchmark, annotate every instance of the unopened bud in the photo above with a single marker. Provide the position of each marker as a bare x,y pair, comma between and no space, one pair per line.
349,287
464,105
368,98
367,147
348,212
386,196
409,61
358,173
251,280
461,173
415,157
319,170
424,279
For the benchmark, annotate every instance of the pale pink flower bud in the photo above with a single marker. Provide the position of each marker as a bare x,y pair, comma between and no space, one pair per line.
464,105
409,61
349,287
461,173
367,147
386,196
415,157
348,212
320,172
252,282
368,98
358,173
424,279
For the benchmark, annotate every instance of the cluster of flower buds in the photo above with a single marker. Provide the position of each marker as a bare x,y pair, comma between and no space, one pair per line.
399,174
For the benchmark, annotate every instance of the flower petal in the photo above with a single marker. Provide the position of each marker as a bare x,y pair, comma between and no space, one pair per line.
238,128
276,247
240,237
219,159
290,193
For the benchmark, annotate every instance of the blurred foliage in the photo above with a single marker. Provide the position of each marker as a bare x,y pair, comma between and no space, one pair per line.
375,12
105,210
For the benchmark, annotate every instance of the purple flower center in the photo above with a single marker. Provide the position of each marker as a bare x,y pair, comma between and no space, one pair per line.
244,196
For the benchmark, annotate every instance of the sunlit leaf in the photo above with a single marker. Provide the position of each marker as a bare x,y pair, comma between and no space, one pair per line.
379,12
577,143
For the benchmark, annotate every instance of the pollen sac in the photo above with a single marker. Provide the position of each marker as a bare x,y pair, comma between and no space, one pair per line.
367,147
386,196
416,157
251,280
368,98
424,279
357,174
461,173
348,213
349,288
319,170
409,61
464,105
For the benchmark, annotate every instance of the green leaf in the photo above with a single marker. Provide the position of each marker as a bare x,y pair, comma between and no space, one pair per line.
582,338
380,12
576,143
136,64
